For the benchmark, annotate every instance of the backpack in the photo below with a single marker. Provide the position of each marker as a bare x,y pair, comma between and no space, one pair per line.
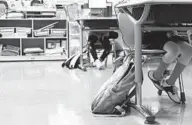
73,62
119,88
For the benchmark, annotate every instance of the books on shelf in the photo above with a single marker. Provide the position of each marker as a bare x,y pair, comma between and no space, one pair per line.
34,54
10,47
26,30
14,35
50,31
22,35
15,32
7,29
9,53
56,52
36,51
44,32
48,26
23,30
32,50
53,45
9,50
57,31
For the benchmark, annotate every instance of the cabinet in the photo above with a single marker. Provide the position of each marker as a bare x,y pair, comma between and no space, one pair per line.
33,39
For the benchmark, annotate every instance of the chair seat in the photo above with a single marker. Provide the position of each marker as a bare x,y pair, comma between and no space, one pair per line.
148,51
153,51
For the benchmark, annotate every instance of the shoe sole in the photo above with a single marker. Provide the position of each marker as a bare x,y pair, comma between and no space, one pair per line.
155,84
171,98
160,88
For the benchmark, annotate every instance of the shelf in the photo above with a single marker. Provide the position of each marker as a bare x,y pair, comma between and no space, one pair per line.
36,16
31,19
74,34
54,37
9,38
16,19
31,41
62,38
31,58
54,18
165,28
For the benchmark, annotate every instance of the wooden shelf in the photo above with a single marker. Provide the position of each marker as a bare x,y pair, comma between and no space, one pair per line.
32,41
31,58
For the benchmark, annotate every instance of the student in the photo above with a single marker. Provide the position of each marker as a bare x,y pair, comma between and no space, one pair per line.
177,48
103,37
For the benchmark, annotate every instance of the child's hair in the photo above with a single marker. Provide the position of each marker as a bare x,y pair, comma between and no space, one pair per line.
113,35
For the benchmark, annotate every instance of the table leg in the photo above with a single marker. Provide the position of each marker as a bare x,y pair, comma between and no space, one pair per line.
81,66
149,117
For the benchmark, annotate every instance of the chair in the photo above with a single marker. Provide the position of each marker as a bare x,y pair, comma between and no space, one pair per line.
128,36
113,51
3,8
72,12
189,33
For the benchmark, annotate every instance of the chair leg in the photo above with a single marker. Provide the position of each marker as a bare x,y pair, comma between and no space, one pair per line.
90,64
88,52
182,92
114,56
106,61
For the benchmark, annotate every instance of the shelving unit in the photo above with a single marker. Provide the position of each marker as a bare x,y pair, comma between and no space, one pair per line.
50,44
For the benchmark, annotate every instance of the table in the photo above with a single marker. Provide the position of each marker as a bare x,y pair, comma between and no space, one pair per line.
37,11
139,26
95,23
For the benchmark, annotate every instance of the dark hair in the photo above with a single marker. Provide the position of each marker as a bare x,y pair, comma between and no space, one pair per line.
113,35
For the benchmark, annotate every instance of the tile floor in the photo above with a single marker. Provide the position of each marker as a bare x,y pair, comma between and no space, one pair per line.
43,93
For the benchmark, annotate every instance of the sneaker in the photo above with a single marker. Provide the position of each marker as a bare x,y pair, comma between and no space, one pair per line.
99,64
157,83
172,92
167,73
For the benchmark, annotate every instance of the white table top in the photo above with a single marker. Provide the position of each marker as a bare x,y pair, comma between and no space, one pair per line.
36,9
139,2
